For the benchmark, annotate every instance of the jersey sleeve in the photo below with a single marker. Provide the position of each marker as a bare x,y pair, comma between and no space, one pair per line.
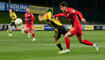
47,16
77,12
32,17
14,16
59,15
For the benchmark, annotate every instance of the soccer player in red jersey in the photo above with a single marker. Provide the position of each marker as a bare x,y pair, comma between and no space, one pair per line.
29,18
71,15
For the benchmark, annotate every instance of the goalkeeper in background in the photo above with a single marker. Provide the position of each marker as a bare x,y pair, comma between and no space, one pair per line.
13,18
59,28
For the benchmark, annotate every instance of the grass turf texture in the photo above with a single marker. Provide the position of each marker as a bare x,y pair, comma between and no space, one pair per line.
19,47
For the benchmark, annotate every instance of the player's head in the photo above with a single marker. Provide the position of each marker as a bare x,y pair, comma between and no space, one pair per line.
63,6
40,17
49,10
11,11
28,10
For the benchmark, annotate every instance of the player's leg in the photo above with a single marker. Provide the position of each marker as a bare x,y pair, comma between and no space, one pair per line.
10,29
25,29
70,33
34,39
15,26
67,41
67,35
57,36
86,42
31,30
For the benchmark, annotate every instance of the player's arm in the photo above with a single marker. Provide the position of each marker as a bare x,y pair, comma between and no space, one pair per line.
80,15
14,16
32,17
59,15
25,17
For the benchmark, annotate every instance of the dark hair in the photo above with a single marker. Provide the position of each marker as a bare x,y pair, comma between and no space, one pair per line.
64,3
13,10
49,10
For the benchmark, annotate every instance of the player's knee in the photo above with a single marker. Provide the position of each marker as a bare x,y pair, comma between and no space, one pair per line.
65,36
56,41
16,28
81,42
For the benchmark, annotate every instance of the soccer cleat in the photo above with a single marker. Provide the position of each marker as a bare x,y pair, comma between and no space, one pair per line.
34,39
67,51
10,34
61,52
96,46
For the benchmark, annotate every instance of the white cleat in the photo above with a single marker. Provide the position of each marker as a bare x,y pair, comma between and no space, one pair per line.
61,52
96,46
34,39
10,34
67,51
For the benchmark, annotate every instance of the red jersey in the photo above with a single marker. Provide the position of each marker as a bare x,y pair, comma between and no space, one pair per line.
29,18
72,16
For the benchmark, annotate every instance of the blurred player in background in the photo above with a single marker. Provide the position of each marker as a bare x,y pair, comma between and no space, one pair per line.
13,18
59,28
71,14
29,18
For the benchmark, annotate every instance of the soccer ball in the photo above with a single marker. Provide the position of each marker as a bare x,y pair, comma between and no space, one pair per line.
18,21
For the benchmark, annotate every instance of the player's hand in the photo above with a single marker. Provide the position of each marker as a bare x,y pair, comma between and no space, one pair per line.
83,20
52,16
28,20
51,19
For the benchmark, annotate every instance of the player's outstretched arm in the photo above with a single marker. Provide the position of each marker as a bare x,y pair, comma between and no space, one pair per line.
58,15
80,15
83,20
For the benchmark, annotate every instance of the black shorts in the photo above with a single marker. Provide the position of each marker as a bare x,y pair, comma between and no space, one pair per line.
58,31
13,24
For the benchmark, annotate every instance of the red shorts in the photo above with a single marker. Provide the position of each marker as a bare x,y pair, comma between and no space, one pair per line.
76,31
29,27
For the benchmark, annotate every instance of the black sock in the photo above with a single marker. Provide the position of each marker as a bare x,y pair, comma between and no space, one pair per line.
60,46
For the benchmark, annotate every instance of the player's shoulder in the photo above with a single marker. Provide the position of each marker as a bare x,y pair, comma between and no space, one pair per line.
13,13
72,10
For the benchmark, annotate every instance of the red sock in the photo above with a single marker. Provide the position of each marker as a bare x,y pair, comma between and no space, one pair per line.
26,31
29,31
67,41
33,35
87,42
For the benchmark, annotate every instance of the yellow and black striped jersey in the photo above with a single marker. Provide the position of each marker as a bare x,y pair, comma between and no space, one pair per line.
54,23
13,17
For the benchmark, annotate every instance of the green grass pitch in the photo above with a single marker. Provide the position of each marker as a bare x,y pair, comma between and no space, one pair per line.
19,47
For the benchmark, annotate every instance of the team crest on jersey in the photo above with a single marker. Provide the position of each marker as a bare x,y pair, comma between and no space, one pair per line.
28,15
73,11
67,14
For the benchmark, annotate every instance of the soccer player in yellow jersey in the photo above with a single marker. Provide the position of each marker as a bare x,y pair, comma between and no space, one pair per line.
59,28
13,18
